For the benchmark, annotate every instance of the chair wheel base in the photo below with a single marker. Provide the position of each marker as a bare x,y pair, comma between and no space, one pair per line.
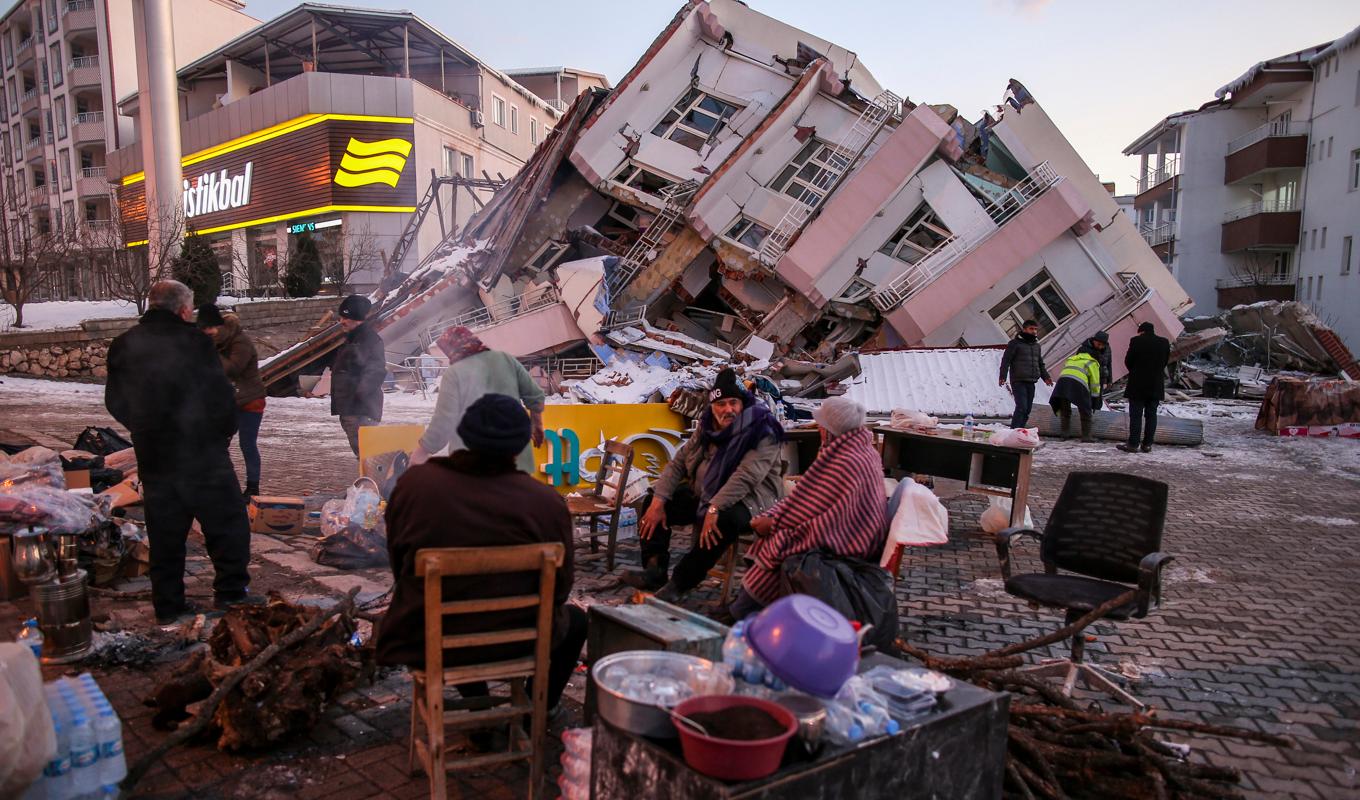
1090,676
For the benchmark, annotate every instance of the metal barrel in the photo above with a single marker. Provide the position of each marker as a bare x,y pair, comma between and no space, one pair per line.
64,618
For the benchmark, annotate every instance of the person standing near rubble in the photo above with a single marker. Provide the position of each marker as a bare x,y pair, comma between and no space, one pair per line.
1146,361
167,387
475,370
358,372
1098,347
1078,383
724,475
1024,362
242,366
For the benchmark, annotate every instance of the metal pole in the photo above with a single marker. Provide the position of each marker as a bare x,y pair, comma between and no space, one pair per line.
314,56
268,79
160,114
406,51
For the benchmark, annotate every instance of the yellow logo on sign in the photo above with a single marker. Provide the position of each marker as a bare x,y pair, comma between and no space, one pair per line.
366,163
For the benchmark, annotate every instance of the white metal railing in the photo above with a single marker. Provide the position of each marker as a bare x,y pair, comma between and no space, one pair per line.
1158,174
648,245
1063,342
89,116
93,172
495,314
1260,207
31,94
937,261
558,105
625,317
36,141
1160,234
79,5
1254,280
81,62
23,45
1274,128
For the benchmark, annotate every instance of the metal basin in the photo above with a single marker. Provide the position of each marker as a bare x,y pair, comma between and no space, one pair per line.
636,689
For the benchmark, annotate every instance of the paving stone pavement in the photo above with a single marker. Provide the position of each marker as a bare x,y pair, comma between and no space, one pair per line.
1257,627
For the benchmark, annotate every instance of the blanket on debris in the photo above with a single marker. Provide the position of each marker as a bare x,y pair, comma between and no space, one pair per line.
1295,402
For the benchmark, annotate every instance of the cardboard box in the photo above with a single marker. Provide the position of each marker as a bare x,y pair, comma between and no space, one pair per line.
280,515
77,478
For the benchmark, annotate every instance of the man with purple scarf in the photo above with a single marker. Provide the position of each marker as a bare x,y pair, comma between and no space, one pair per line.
725,474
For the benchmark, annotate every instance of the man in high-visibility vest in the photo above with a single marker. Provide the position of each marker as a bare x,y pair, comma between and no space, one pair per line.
1078,383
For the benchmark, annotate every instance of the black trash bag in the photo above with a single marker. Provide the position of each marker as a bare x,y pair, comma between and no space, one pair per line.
101,441
352,548
87,461
102,478
860,590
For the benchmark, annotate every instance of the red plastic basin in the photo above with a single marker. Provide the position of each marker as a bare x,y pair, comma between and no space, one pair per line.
733,759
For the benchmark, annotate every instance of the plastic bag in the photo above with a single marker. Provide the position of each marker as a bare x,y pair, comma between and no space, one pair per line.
36,466
57,510
1015,437
27,739
904,419
353,547
857,589
919,519
997,517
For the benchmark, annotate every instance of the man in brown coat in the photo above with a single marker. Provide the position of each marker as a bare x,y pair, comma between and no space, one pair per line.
243,370
477,498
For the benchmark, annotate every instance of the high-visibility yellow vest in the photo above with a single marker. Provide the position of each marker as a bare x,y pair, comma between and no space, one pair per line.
1084,368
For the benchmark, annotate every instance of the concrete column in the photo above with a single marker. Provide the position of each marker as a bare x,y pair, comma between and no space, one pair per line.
153,29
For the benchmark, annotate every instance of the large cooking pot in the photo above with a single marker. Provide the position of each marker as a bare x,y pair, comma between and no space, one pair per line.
636,689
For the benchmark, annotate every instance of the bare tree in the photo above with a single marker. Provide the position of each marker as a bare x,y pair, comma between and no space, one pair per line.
31,256
1255,269
343,257
128,273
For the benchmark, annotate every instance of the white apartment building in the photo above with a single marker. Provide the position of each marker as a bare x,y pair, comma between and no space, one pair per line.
65,62
1256,194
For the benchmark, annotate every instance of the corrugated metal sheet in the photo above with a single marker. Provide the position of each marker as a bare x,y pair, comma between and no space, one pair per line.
1114,426
944,382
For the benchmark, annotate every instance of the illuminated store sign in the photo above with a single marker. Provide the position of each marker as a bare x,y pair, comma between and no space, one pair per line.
217,192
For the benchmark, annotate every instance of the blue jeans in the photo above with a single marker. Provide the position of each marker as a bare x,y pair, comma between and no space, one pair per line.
248,433
1024,402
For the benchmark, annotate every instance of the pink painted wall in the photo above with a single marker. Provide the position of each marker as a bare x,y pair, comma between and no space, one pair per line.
1157,311
545,329
861,196
1010,246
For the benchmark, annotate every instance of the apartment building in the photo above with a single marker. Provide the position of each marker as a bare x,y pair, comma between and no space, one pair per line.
558,85
1256,194
65,61
750,179
331,122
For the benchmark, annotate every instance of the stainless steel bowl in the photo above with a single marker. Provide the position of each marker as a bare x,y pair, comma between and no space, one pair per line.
811,715
699,676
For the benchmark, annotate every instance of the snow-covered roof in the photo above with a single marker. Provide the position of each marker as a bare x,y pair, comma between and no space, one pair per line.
949,382
1300,58
1344,43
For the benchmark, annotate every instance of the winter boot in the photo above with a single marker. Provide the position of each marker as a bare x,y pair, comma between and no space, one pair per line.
1127,448
1065,420
650,578
1086,430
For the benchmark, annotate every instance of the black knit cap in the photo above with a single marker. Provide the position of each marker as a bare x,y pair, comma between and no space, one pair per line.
355,307
1102,336
1147,327
495,424
209,316
726,386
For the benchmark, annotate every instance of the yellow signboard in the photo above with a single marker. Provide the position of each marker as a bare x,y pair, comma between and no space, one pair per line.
575,434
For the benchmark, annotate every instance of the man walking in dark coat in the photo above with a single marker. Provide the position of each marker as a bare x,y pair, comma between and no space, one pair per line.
358,371
1024,361
1146,361
167,387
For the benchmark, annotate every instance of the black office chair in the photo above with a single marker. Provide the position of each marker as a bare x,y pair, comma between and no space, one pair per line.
1107,529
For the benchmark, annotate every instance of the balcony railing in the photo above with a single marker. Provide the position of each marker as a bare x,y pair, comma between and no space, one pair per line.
1270,207
1158,174
1266,131
1161,234
32,143
83,62
1238,281
1063,342
93,172
31,94
937,261
26,44
79,5
89,116
495,314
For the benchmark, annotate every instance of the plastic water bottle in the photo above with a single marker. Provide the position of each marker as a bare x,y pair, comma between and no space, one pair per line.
969,426
842,724
108,734
734,647
57,773
84,755
31,636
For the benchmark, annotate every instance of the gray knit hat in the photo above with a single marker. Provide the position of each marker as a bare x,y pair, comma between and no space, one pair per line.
839,415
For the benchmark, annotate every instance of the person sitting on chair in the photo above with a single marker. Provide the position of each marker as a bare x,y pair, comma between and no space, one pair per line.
838,506
477,498
725,474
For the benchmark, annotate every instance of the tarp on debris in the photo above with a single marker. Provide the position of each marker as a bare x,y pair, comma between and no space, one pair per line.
942,382
1294,402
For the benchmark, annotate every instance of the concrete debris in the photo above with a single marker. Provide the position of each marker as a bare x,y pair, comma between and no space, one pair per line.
1273,335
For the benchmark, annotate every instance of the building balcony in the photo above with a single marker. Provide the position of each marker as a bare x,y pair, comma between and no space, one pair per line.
38,196
92,182
79,16
1261,226
29,102
1160,235
83,71
1059,345
1250,288
1271,147
88,128
33,149
23,52
1158,181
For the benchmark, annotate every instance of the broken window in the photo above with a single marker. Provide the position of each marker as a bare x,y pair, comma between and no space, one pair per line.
747,232
635,177
1038,299
810,173
547,256
921,233
857,292
694,119
618,215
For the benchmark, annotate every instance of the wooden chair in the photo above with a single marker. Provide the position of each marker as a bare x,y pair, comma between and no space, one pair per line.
615,464
427,692
726,568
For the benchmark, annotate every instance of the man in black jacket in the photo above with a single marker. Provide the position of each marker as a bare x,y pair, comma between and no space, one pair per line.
358,371
1146,361
1024,361
167,387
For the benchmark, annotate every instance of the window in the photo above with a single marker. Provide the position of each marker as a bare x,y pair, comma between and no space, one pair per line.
809,175
694,119
68,210
498,111
1309,295
1329,146
514,119
635,177
91,212
747,232
1357,82
533,131
1038,299
857,292
1324,239
618,215
65,169
58,74
546,256
1355,170
1313,240
47,129
453,161
921,233
52,17
1347,248
1319,294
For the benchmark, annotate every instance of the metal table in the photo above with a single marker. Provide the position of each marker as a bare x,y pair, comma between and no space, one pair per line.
984,468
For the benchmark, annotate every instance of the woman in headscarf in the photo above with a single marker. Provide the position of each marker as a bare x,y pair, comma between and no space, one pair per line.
475,370
838,506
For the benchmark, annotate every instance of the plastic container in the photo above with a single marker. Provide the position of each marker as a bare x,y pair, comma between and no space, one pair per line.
31,636
84,755
108,734
842,724
57,773
969,428
734,759
806,643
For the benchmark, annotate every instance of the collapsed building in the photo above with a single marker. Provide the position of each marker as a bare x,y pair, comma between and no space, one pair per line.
751,187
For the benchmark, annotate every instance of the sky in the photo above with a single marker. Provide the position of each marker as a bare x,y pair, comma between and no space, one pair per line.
1104,71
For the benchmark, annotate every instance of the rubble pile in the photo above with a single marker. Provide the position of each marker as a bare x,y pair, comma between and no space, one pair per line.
1253,343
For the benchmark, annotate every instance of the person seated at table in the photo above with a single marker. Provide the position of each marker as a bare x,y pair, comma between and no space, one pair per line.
837,506
476,497
721,477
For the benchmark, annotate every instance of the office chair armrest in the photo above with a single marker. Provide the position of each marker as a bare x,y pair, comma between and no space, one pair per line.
1150,581
1003,545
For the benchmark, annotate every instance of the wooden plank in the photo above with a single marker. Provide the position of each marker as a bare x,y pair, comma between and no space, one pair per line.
489,638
